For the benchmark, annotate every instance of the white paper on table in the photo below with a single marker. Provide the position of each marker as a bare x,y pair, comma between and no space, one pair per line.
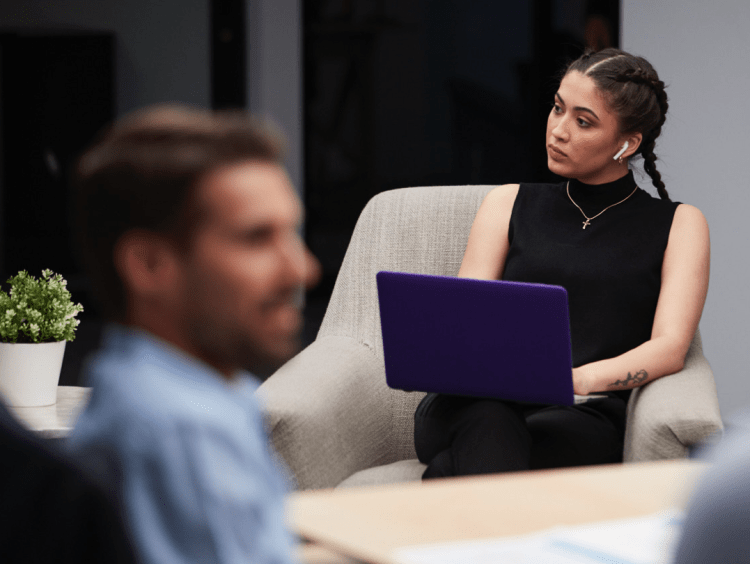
641,540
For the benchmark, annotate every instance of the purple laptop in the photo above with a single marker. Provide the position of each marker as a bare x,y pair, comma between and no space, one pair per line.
484,338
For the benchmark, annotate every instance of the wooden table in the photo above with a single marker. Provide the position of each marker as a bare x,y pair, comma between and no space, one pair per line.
315,554
55,421
370,523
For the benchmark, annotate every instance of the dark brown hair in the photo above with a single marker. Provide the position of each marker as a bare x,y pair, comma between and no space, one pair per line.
635,93
141,174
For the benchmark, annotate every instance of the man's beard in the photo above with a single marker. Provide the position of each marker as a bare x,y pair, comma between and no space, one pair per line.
225,341
232,347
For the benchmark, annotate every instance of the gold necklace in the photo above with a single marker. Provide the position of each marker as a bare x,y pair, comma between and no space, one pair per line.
588,219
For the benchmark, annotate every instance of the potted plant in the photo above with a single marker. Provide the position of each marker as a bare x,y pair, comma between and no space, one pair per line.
37,318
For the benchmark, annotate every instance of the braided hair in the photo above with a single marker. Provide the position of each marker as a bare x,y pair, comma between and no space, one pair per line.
635,94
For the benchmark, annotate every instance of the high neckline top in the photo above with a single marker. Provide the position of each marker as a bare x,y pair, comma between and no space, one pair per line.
594,198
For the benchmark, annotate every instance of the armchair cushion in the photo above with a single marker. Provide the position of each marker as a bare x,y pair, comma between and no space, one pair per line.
410,470
329,413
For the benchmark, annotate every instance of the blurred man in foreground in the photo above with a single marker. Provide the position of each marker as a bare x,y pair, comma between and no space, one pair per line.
717,522
189,230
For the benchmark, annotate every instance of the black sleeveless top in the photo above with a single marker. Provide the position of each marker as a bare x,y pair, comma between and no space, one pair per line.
611,269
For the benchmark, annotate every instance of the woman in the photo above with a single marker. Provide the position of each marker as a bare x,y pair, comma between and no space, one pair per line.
635,268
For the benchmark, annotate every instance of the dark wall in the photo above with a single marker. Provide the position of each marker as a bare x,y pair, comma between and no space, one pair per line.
425,93
58,92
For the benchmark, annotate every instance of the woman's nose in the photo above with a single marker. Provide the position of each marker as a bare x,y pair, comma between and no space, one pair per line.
560,129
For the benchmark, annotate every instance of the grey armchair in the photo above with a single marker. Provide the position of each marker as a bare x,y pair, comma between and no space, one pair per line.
331,416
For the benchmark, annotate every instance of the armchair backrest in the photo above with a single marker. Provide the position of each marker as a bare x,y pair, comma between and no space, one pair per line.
420,230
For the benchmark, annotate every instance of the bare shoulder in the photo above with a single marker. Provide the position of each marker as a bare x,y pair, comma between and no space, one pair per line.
497,205
685,213
501,198
689,221
504,191
689,234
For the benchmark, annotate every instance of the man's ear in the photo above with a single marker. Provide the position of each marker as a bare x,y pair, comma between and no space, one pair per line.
146,263
634,141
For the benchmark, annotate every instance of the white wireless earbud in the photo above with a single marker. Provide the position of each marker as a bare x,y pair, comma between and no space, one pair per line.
624,148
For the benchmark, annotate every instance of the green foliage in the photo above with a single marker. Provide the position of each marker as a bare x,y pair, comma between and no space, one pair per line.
37,311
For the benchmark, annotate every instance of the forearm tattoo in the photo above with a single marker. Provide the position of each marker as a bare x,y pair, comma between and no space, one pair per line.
631,381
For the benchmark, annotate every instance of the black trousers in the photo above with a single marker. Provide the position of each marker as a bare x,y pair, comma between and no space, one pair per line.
461,436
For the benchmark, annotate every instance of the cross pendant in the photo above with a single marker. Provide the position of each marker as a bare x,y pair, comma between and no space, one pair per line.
586,223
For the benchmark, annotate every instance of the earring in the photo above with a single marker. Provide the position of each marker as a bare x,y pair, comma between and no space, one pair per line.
619,160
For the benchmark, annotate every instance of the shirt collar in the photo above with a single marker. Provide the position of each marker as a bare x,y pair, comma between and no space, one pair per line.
132,341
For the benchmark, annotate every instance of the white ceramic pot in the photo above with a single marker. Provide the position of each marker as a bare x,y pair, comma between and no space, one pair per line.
29,373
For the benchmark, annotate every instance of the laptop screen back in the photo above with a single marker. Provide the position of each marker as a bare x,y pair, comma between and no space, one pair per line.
483,338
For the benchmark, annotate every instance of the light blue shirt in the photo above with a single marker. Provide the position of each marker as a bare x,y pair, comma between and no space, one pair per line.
187,451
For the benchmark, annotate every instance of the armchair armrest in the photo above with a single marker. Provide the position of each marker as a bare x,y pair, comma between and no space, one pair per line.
672,413
325,411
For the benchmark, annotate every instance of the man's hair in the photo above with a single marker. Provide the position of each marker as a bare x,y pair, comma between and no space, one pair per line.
142,172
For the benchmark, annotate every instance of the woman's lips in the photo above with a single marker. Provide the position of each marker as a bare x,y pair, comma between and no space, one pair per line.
555,152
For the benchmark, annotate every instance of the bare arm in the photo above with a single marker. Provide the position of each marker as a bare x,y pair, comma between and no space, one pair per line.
684,286
485,254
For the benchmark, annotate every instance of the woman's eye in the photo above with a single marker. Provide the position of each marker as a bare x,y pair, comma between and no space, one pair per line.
583,122
556,108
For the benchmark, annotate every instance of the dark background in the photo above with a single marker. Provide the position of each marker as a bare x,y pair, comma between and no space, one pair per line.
438,92
396,94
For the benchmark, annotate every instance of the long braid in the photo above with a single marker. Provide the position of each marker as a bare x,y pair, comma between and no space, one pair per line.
649,79
649,165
